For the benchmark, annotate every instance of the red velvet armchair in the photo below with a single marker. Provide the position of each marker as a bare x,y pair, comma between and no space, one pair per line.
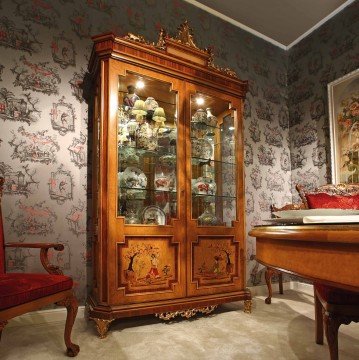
21,293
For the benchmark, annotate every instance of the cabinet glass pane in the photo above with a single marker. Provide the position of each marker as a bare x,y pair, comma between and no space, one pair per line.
213,161
147,140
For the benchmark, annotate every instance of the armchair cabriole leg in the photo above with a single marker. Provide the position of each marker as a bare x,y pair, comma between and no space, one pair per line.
71,305
318,320
2,325
268,277
331,325
280,281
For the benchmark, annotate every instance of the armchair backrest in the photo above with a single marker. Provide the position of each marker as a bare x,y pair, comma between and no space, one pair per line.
2,249
340,196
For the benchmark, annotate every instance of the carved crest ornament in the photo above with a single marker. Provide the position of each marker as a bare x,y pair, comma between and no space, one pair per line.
184,37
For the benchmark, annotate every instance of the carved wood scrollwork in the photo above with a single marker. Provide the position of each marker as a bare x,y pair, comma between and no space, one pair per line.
188,313
51,269
184,37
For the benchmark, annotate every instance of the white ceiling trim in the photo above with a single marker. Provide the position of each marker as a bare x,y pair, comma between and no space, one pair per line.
262,36
320,23
237,23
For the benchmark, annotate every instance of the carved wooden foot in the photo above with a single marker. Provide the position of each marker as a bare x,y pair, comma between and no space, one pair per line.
268,276
71,305
102,326
248,306
2,325
331,325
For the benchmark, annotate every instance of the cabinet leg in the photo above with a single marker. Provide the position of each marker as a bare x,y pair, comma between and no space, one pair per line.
248,306
102,326
268,276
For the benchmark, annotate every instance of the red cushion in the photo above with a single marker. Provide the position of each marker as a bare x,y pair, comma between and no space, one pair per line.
16,289
337,296
326,201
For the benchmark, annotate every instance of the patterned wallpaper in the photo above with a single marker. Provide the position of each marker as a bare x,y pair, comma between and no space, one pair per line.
45,47
327,54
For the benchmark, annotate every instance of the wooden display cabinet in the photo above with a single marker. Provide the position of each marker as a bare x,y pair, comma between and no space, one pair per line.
168,182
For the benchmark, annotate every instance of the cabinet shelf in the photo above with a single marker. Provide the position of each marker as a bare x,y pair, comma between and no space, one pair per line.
204,161
151,190
213,197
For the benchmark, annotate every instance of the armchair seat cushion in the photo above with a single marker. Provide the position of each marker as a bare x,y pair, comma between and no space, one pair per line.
337,296
17,289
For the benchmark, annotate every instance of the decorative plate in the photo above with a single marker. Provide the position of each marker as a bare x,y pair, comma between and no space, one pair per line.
153,215
133,178
201,148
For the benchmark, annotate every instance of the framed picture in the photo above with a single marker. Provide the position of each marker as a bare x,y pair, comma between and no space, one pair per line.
344,128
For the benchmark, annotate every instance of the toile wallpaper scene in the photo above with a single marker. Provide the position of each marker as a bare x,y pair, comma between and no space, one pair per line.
45,47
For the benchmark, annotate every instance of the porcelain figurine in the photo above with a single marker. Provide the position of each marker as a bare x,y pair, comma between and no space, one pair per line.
131,97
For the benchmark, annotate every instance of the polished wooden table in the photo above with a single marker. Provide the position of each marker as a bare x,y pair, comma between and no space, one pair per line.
327,254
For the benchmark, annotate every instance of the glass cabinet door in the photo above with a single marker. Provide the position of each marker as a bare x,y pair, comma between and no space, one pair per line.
147,140
213,182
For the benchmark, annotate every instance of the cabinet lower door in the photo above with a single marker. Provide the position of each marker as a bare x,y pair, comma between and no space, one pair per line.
214,263
149,267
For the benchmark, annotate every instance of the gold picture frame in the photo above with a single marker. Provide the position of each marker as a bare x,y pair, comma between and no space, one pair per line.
343,96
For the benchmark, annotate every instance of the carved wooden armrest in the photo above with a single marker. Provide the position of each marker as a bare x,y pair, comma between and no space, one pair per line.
51,269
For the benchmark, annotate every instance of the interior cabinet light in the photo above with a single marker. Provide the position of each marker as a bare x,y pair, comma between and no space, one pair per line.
140,84
199,101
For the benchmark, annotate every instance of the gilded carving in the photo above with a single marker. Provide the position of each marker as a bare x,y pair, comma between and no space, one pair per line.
136,38
188,313
247,306
102,326
185,37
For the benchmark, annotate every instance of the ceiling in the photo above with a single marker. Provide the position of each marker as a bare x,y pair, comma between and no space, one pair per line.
282,22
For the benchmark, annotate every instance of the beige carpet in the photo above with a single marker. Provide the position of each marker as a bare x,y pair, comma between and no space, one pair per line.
282,330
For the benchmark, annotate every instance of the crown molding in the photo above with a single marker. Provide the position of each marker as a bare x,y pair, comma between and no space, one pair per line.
262,36
320,23
235,23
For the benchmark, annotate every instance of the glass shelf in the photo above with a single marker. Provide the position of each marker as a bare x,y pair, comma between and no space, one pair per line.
213,197
149,189
203,161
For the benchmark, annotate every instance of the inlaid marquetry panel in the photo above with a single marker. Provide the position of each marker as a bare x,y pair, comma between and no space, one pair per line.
147,264
214,260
